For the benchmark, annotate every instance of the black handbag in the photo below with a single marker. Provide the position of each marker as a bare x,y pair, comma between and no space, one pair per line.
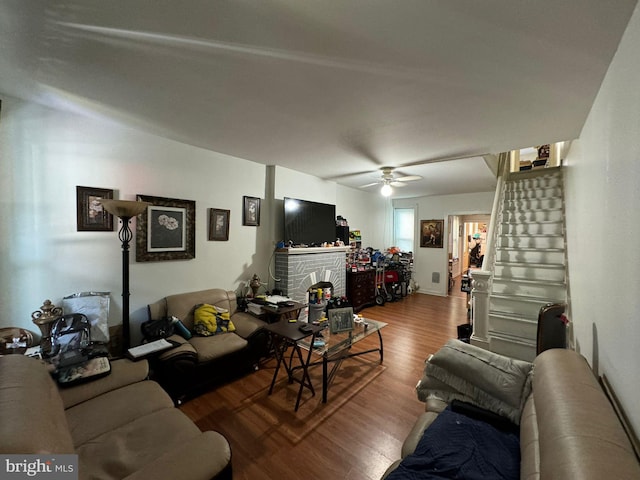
156,329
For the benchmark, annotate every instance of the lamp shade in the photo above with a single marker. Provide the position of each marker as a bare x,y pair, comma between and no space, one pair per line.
124,208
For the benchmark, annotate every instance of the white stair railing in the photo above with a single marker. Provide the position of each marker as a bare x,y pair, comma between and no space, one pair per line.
480,292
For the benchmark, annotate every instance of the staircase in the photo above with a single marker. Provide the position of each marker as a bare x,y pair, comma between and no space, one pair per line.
530,262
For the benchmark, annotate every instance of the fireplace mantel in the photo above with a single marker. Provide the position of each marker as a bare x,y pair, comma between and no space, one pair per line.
297,269
307,250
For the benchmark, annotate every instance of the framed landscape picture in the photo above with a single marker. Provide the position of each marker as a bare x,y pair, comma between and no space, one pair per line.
219,224
167,230
431,233
91,217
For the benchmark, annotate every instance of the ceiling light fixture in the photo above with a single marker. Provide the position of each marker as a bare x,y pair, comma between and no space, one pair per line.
386,190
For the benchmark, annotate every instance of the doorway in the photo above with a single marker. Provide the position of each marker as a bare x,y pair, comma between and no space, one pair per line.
466,232
474,240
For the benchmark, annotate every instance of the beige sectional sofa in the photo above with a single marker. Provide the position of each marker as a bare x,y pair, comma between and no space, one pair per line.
200,362
120,426
568,428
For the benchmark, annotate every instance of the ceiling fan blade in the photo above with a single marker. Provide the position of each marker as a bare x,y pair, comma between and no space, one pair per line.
397,184
369,185
408,178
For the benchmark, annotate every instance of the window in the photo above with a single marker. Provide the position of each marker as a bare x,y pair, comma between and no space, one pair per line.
403,229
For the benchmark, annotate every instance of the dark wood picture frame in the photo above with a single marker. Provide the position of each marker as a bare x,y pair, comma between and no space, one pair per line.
219,224
340,319
251,211
91,217
167,230
431,233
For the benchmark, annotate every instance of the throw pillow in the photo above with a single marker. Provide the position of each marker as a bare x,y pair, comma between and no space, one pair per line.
211,320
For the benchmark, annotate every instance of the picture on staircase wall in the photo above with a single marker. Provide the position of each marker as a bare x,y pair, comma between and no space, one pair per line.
431,233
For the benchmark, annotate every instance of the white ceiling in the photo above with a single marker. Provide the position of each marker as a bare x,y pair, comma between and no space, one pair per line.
336,89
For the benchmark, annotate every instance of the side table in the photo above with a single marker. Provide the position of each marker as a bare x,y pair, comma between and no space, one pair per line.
286,334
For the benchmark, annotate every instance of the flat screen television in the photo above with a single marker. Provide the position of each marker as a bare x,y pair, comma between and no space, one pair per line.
309,223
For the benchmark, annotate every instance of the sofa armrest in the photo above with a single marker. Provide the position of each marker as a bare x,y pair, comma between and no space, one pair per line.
123,372
183,352
202,458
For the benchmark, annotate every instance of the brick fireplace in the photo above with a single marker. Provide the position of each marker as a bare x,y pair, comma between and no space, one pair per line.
297,269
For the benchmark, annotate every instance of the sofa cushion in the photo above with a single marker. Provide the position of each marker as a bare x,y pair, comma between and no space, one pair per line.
32,413
130,447
123,372
114,409
210,348
246,324
211,320
459,371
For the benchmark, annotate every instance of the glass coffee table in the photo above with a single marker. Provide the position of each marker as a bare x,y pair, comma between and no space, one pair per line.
338,347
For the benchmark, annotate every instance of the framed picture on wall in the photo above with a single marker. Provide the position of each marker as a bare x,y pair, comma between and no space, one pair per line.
219,224
91,217
251,211
431,233
167,231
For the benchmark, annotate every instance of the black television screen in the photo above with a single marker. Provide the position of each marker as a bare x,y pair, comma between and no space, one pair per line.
309,223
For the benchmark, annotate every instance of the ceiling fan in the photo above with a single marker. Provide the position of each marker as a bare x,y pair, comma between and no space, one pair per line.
388,180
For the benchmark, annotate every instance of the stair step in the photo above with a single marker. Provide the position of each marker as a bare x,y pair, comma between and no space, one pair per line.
539,193
533,216
530,255
538,228
541,271
528,306
531,241
513,347
526,204
527,287
510,324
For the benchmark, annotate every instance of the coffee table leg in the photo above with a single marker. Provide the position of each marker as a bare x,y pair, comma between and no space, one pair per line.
324,378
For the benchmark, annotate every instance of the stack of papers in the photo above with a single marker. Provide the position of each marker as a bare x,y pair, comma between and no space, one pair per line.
148,348
275,299
254,308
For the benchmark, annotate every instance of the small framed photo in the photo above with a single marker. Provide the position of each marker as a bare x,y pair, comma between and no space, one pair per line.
251,211
91,217
431,233
167,230
219,224
340,319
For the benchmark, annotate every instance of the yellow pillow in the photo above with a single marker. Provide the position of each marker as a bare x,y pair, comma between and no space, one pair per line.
210,320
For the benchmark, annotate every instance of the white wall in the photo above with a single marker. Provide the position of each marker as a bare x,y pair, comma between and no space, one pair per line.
602,177
46,154
430,260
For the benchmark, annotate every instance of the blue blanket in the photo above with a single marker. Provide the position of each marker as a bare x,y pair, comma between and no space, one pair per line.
458,447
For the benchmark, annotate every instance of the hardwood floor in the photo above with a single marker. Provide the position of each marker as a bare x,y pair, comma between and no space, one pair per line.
358,433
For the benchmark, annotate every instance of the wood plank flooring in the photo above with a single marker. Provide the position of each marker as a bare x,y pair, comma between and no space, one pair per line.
358,433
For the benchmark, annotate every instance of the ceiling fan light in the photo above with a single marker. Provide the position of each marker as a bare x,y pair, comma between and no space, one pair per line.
386,190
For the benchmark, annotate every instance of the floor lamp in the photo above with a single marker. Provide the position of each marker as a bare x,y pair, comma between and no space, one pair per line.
125,210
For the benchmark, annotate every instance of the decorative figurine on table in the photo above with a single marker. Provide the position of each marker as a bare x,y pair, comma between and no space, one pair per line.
255,284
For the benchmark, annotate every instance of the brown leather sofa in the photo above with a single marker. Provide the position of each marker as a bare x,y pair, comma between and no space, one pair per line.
568,427
199,362
120,426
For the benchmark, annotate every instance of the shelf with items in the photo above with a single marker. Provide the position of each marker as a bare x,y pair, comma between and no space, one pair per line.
358,260
355,239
